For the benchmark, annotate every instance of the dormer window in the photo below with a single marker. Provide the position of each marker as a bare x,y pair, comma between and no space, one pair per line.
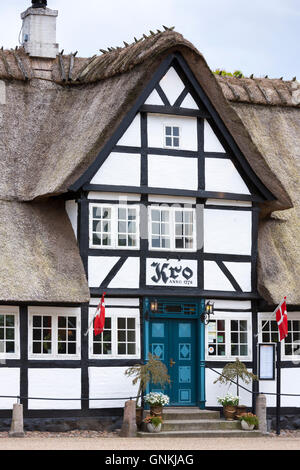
172,137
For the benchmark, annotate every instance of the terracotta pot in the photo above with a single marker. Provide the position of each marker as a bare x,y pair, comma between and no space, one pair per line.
246,426
229,412
240,409
152,428
156,410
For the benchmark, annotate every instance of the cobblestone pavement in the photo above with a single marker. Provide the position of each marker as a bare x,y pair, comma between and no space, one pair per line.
93,440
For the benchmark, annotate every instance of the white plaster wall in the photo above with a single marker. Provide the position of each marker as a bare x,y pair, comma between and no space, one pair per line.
242,274
224,202
154,99
132,136
9,385
172,172
128,277
290,383
232,304
172,85
112,302
213,391
99,267
227,231
122,197
187,125
189,102
119,169
110,382
72,211
211,142
222,176
214,279
172,199
54,383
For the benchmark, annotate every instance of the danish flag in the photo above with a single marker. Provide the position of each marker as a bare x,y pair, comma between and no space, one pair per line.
99,319
282,319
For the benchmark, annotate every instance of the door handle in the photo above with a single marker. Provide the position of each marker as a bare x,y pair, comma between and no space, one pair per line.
172,363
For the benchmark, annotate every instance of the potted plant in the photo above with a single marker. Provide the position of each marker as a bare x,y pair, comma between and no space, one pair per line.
249,421
156,401
153,371
229,403
153,423
233,372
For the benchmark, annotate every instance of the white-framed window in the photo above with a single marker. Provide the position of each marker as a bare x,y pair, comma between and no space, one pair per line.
114,226
268,333
172,228
228,337
121,336
9,333
171,136
54,333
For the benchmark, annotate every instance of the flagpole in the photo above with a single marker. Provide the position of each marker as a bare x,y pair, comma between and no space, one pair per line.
278,388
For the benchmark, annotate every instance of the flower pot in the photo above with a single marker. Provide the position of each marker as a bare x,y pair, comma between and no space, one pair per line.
156,410
240,409
229,412
152,428
246,426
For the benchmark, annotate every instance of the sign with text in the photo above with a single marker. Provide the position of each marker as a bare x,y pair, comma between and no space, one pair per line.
266,357
171,272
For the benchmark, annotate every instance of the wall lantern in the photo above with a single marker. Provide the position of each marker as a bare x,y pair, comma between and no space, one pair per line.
154,306
209,310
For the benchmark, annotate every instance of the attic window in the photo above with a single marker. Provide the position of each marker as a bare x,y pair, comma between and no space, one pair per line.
172,136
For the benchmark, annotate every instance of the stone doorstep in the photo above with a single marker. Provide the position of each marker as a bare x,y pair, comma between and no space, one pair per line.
202,434
189,413
200,424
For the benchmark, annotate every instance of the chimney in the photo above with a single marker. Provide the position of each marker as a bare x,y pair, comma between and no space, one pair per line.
39,30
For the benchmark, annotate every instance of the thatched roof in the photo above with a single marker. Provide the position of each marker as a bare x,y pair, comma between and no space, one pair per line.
52,129
40,261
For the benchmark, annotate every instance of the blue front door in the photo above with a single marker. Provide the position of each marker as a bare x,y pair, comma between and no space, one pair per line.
174,342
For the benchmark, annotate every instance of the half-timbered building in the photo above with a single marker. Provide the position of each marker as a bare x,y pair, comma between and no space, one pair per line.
141,174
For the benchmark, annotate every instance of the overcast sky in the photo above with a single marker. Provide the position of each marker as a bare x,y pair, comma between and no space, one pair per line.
256,36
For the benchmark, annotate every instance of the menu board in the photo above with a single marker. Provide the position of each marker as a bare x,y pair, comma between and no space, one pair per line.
266,359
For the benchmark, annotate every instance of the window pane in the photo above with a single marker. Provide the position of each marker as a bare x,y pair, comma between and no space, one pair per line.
10,347
131,323
234,325
36,348
176,131
221,350
10,333
1,320
71,348
122,348
107,348
176,142
10,320
131,336
62,348
234,350
121,335
168,130
121,323
37,321
62,335
131,348
168,141
155,215
243,350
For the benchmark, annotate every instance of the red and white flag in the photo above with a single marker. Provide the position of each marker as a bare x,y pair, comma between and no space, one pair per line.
282,319
99,319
